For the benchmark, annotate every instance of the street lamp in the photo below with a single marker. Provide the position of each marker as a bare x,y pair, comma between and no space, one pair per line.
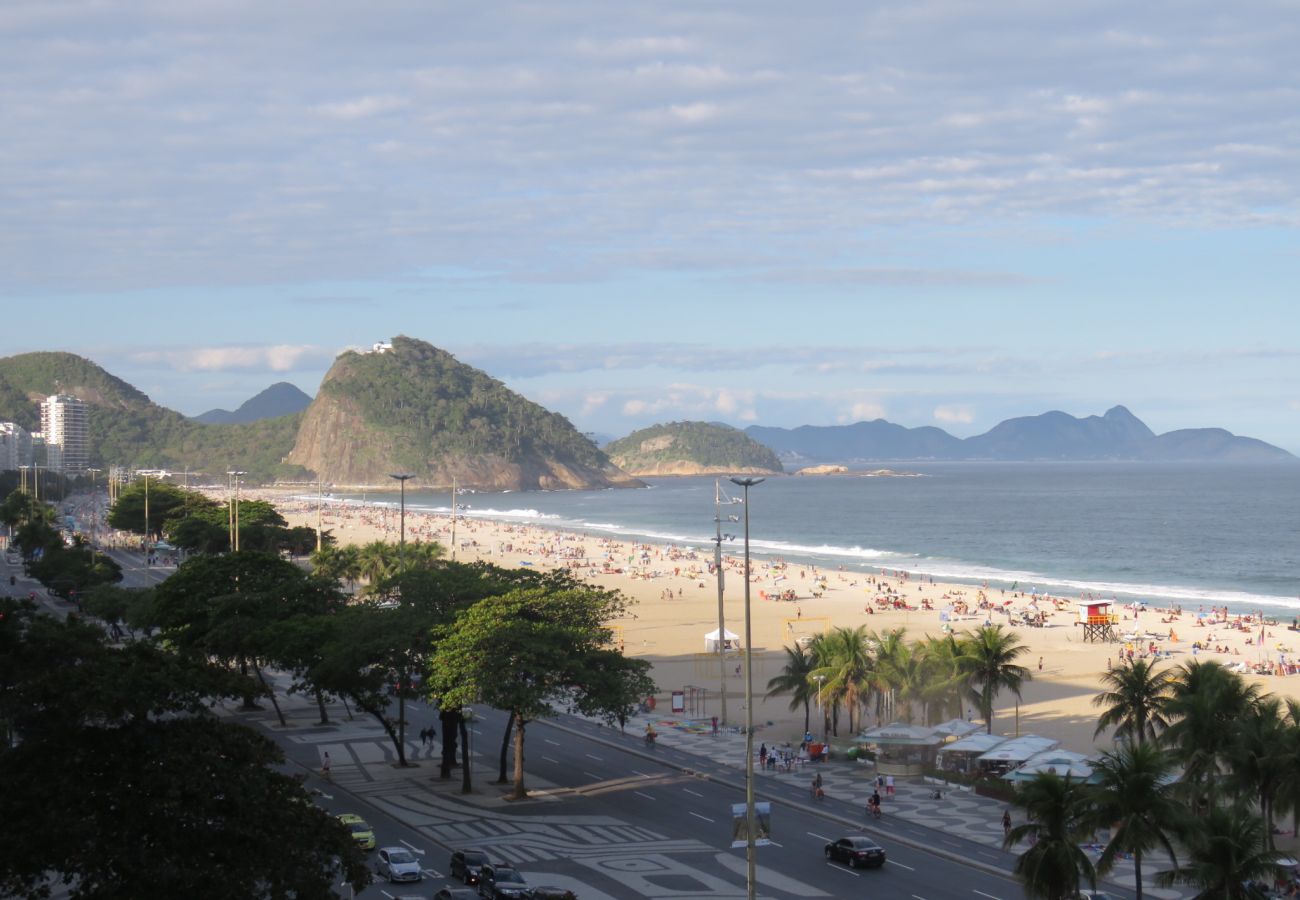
235,474
401,540
750,852
146,517
821,679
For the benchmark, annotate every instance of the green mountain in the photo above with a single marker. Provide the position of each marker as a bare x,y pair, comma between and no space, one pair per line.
692,448
414,408
126,428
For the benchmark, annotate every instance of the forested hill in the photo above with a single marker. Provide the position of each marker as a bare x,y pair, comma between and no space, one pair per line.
415,408
127,428
692,448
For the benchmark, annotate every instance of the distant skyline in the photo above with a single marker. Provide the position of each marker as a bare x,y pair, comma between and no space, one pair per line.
935,213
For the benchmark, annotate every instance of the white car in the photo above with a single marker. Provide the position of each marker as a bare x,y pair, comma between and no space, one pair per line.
398,864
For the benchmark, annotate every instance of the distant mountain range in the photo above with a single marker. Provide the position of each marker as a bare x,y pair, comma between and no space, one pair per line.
1118,435
280,399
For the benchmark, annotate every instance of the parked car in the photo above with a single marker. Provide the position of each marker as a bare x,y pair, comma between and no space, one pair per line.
456,893
857,850
502,880
362,833
398,864
466,864
551,892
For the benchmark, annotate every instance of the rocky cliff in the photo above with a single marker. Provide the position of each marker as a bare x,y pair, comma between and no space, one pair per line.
414,408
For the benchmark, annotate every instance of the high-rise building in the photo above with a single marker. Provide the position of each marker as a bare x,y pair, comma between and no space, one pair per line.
63,422
15,446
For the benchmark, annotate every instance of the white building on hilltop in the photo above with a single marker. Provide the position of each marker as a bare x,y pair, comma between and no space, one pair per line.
15,446
64,425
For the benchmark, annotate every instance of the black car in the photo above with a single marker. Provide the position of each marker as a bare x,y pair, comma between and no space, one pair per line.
453,893
502,880
858,850
466,864
551,892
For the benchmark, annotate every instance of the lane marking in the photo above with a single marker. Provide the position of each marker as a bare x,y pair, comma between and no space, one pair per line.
549,760
596,758
698,816
899,864
990,896
846,871
818,836
696,793
412,848
639,794
552,743
917,897
591,776
642,774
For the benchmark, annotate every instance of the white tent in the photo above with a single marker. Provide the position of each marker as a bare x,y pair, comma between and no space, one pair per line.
730,641
1017,750
956,728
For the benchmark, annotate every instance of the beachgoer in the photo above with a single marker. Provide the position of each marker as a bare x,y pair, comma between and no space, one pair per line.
1006,822
325,764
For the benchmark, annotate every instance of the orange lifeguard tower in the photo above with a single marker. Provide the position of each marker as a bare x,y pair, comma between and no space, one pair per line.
1097,620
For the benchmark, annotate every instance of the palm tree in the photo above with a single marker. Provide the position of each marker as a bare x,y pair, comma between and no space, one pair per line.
1133,796
1058,813
1134,701
1258,758
845,662
989,654
376,561
1289,790
1225,853
794,681
944,677
1205,705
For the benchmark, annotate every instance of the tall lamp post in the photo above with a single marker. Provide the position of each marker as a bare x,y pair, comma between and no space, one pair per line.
234,510
146,517
401,534
821,679
750,851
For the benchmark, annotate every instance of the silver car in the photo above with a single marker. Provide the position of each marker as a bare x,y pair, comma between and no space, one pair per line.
398,864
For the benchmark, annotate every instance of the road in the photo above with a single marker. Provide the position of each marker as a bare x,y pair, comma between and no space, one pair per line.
608,819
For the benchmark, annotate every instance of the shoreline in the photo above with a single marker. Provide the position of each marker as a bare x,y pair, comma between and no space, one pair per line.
676,604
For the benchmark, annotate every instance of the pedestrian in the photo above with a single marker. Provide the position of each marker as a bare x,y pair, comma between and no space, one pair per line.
1006,821
889,785
762,756
1040,664
715,724
325,764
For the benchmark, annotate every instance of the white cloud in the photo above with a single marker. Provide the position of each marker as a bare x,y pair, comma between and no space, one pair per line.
361,107
862,411
954,414
275,358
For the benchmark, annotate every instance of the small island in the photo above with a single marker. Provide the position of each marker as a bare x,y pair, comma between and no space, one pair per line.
845,470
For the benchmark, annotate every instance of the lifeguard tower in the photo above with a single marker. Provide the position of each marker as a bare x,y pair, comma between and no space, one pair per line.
1097,620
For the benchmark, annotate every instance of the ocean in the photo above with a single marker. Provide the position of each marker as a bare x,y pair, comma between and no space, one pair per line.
1187,534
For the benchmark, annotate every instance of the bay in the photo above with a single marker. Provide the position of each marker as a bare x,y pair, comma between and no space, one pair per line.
1187,534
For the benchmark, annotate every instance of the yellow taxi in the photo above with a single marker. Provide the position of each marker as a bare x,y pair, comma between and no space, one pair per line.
362,833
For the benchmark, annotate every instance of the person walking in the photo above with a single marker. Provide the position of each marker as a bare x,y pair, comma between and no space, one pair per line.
889,785
1006,822
325,764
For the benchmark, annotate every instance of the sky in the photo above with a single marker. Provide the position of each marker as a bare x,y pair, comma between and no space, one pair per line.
934,212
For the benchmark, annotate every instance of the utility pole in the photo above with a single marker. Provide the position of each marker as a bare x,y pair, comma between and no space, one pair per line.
453,518
722,625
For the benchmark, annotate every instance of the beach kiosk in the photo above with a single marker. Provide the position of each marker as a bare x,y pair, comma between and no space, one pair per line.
1097,621
1065,763
956,729
901,749
727,640
960,755
1005,757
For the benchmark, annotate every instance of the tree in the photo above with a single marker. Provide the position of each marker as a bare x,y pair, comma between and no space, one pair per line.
794,680
1258,758
527,651
1134,797
945,677
990,654
845,662
165,501
1058,820
1226,853
126,786
1205,706
1134,701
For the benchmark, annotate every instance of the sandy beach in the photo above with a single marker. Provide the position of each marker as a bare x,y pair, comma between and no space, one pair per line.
676,604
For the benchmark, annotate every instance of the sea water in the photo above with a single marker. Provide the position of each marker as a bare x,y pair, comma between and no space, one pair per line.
1187,534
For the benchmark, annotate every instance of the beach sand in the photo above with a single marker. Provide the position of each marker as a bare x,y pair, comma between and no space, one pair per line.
676,604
